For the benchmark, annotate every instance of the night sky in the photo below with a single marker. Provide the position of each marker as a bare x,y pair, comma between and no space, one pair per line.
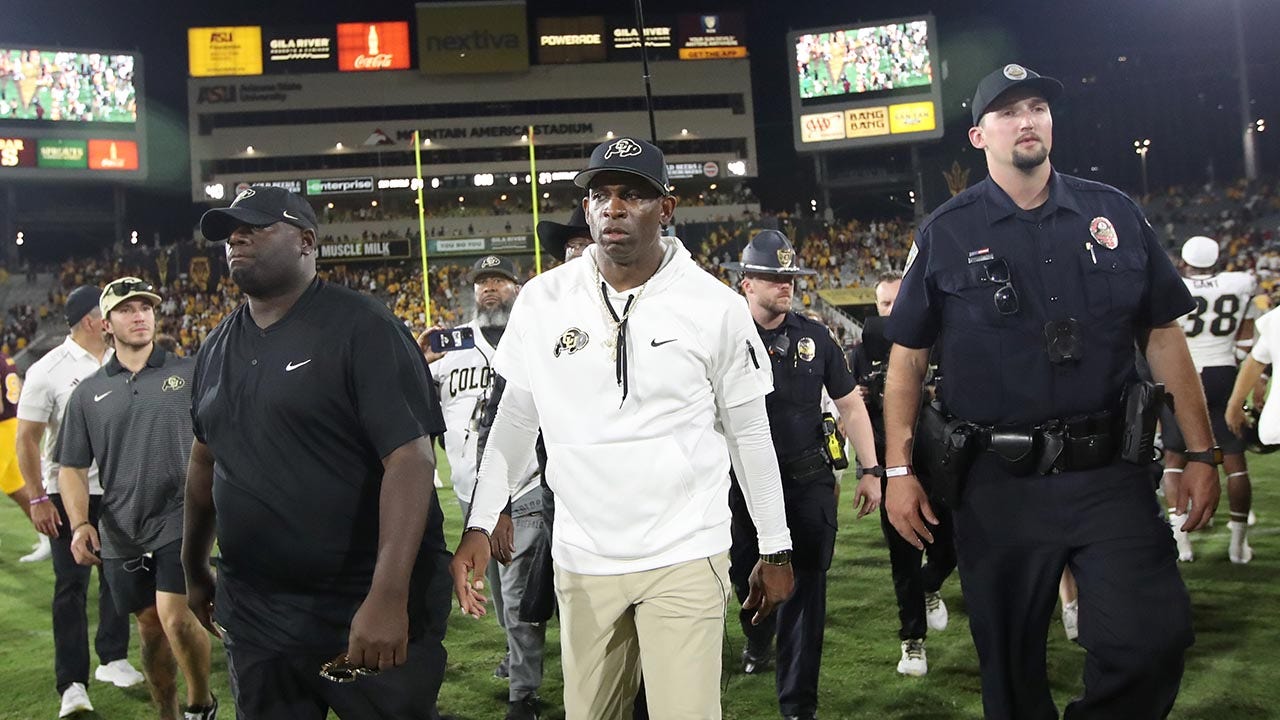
1176,83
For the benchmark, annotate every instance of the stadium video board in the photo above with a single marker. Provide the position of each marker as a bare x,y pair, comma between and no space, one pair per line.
865,85
69,114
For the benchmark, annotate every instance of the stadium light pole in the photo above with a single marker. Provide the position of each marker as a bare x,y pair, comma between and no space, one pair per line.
644,60
1141,147
1246,119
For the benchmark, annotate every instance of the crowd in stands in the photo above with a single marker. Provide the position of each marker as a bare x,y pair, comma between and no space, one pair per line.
20,323
851,253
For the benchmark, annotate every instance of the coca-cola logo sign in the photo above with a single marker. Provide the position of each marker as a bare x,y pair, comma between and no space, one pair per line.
371,46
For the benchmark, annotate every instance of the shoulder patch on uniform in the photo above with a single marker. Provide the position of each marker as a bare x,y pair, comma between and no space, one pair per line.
911,257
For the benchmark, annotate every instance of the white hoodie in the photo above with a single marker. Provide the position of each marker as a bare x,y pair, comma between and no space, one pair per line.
640,483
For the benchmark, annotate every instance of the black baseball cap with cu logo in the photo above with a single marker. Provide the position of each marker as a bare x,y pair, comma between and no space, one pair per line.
627,155
260,206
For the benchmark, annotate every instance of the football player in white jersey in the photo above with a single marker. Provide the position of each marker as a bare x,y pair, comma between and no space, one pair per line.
1214,330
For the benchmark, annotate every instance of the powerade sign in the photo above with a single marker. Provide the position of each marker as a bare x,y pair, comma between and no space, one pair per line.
338,186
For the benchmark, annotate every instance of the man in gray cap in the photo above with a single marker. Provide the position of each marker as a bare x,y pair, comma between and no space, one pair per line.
646,375
50,381
804,360
1036,286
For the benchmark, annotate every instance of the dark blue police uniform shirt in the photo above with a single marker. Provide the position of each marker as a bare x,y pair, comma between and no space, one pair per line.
996,367
298,417
812,361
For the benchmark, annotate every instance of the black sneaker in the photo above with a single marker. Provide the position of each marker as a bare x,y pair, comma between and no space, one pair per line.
756,661
199,712
523,709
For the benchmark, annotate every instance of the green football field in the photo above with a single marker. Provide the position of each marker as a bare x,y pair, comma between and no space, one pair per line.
1229,670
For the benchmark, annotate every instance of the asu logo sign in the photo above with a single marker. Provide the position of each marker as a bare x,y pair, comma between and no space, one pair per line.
571,341
626,147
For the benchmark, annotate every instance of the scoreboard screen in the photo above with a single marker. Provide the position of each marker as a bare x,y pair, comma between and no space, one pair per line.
865,85
67,86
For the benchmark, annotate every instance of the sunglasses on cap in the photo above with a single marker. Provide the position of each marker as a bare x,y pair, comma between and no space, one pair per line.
124,287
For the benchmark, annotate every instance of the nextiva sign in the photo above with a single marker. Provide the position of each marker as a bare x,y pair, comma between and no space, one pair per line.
467,38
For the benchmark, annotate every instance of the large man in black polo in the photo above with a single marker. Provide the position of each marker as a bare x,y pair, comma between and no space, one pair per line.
313,413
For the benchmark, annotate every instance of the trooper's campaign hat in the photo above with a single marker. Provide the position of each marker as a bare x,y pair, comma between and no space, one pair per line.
769,253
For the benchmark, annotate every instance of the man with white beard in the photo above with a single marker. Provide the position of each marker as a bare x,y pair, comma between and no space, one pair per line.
465,379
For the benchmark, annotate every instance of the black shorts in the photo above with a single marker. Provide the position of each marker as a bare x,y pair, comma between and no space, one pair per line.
134,582
1218,382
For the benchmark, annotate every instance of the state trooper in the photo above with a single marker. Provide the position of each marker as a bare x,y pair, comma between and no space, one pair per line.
1038,285
805,359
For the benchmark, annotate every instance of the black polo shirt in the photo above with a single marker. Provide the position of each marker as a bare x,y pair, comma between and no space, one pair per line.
811,362
137,427
298,417
1087,254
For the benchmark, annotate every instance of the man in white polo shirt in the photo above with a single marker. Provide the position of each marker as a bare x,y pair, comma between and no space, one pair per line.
50,381
646,376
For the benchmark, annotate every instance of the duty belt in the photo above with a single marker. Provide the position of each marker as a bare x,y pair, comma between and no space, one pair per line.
804,463
1083,442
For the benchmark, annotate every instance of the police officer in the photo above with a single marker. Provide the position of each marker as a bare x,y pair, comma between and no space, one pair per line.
805,359
1038,285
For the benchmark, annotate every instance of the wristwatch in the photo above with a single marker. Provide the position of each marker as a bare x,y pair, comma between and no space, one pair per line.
877,470
899,471
782,557
1212,456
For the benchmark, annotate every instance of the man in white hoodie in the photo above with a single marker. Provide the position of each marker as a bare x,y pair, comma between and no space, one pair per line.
646,376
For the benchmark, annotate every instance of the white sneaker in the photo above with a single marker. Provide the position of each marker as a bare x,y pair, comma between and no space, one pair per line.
935,611
40,552
75,699
914,662
1239,551
1071,619
1181,538
119,673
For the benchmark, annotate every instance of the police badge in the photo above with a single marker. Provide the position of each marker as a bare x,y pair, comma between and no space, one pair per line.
785,256
1104,233
807,349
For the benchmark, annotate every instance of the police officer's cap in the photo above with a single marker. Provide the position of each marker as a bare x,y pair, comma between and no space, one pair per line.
1007,78
1200,252
627,155
769,253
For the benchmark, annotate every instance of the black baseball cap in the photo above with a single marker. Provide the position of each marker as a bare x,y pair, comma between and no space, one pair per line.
555,236
81,302
1007,78
769,253
627,155
493,265
258,205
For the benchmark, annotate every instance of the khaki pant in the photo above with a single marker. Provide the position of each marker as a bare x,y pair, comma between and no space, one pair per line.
670,621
